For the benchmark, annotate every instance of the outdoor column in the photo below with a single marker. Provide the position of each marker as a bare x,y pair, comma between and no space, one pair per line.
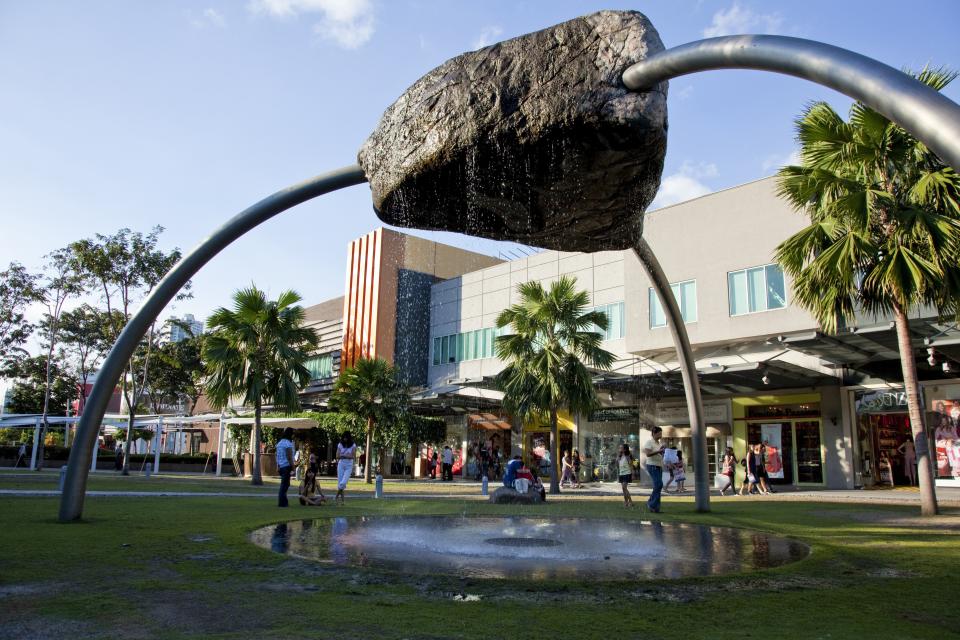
36,443
220,447
156,444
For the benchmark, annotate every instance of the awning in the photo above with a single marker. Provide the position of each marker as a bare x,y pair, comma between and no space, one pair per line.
293,423
487,421
713,431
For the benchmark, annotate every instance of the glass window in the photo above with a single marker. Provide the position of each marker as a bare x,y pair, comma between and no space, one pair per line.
685,294
756,289
436,350
468,347
445,350
488,343
477,340
320,367
776,293
456,348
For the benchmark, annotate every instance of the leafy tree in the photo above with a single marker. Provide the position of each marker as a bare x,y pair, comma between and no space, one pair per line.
63,281
257,351
124,268
884,233
547,356
372,391
178,374
28,394
84,334
18,290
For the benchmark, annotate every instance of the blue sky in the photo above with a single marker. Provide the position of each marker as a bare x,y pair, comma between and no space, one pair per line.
134,113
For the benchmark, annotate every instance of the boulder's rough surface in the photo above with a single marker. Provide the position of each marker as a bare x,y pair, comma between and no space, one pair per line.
506,495
534,139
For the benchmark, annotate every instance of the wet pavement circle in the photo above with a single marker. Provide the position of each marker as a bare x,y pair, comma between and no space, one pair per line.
530,548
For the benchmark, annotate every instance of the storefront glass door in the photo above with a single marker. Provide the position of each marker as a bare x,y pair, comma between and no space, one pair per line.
809,452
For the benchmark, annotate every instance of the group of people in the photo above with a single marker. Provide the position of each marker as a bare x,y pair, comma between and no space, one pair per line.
571,464
447,465
523,478
755,479
311,495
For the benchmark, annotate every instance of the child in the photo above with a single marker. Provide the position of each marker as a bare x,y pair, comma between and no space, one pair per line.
310,493
625,468
678,473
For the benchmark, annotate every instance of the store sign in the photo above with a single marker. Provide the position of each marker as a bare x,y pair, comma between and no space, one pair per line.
615,414
678,414
878,401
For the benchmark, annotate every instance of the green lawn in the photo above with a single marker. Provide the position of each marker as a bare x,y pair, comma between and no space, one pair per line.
131,570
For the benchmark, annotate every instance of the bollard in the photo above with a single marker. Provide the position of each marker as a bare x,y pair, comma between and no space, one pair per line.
148,469
63,478
378,491
483,486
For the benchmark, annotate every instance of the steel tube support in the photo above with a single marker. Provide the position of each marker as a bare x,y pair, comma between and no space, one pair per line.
930,116
74,491
688,370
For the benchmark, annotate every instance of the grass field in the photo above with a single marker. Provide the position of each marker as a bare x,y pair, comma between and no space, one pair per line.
183,568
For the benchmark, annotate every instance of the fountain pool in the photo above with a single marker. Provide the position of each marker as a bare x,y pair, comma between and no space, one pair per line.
530,548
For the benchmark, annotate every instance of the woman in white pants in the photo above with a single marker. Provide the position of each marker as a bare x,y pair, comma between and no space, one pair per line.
346,453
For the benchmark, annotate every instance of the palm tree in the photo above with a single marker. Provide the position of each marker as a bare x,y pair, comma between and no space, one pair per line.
371,390
884,233
548,354
257,350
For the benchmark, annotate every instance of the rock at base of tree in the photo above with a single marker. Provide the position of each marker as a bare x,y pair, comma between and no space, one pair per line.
534,139
506,495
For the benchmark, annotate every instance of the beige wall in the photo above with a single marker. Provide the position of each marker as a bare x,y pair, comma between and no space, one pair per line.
703,240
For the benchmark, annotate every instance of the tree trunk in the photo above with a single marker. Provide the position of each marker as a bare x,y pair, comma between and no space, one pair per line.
126,445
256,477
368,452
46,401
554,453
928,494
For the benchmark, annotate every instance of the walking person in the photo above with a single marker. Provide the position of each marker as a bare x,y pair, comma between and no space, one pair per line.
285,465
567,470
752,463
434,464
728,470
577,464
346,454
654,452
762,475
679,474
625,473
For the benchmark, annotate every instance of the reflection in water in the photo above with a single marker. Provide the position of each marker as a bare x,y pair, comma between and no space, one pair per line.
280,541
531,548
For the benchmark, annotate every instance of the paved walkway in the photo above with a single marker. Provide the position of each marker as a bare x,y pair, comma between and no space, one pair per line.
947,497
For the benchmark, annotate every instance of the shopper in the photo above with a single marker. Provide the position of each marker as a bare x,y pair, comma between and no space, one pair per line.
762,475
434,465
909,461
752,463
653,450
567,470
625,473
577,464
728,472
346,454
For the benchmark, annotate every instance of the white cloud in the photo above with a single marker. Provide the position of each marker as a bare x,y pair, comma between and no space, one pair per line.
349,23
738,19
208,18
685,184
774,161
488,35
684,92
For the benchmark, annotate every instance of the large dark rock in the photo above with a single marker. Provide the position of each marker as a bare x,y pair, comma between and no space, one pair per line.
534,139
506,495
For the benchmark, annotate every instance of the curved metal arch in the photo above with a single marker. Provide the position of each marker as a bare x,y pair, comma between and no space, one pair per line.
926,113
75,486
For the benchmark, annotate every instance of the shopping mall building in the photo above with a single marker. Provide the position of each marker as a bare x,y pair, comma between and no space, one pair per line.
832,406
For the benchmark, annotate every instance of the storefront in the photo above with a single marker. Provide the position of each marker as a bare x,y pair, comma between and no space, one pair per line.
488,444
791,430
674,419
882,431
943,427
536,441
601,434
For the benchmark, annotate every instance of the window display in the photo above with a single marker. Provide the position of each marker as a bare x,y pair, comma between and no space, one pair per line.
883,434
944,421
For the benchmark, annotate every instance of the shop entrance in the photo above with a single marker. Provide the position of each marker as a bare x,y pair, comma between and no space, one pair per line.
883,426
792,439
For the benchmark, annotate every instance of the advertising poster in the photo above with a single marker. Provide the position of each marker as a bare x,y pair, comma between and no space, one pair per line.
946,417
770,436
